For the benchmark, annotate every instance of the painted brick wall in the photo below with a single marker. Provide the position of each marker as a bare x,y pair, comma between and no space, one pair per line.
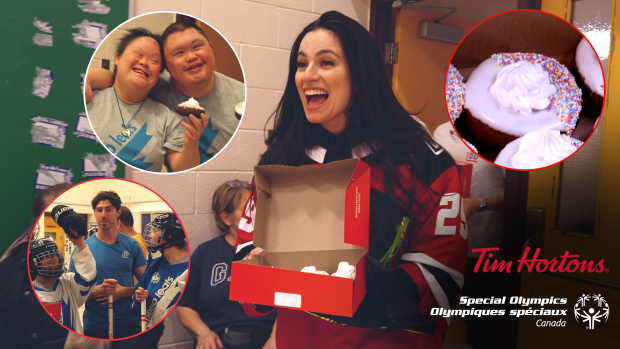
261,32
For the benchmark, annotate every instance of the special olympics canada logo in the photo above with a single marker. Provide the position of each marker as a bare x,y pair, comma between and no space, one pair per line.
590,309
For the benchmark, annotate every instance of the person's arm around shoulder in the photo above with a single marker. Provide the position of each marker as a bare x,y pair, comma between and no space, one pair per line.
97,79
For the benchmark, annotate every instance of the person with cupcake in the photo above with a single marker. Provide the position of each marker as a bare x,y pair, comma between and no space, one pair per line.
138,130
190,60
339,104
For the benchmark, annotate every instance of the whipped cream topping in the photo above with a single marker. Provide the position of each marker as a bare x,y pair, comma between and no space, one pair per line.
481,105
588,65
345,270
312,270
521,87
536,150
191,103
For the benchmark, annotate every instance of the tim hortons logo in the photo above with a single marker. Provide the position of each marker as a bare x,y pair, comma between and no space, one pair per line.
568,263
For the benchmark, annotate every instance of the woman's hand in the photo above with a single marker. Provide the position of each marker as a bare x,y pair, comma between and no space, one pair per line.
257,252
141,294
194,129
209,340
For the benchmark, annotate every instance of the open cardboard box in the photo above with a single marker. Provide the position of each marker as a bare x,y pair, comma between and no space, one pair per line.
518,31
308,215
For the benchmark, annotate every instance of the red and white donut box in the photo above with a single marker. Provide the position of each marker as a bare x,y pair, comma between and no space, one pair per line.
308,215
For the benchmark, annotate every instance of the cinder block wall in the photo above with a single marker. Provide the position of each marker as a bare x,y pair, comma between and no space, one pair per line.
261,32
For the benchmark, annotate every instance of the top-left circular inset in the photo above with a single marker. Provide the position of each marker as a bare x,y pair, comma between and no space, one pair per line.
165,92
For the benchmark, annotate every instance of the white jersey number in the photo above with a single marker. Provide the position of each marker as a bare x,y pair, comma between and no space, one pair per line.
451,215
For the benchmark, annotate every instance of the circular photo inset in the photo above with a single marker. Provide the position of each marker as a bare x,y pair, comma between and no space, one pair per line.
164,92
108,259
524,90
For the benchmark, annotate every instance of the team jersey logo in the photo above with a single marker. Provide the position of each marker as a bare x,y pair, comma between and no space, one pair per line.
218,274
125,254
155,278
435,148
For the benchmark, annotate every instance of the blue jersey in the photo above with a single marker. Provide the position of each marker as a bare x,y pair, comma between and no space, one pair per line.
165,282
114,261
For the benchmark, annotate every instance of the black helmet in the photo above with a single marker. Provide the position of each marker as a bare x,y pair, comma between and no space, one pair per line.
42,254
165,226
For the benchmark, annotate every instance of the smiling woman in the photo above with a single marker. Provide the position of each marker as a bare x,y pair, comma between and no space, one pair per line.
338,104
139,131
323,72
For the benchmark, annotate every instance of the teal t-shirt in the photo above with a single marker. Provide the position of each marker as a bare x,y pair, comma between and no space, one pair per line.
114,261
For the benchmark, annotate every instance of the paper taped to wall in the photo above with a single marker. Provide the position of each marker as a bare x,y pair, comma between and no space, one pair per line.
42,82
83,128
102,165
42,39
90,35
43,26
94,6
48,132
48,176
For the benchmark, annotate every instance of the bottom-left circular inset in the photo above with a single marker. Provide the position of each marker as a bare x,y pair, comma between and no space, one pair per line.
108,259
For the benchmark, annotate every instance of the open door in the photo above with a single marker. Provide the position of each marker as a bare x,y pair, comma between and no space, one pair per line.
579,201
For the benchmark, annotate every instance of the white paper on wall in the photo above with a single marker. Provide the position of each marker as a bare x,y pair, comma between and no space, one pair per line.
102,165
43,26
48,176
94,6
48,132
42,39
91,33
83,128
42,82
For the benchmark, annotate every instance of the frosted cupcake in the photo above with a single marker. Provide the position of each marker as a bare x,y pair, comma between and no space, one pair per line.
512,94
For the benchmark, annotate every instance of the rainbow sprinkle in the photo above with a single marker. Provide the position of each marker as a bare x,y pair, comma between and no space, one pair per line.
567,100
576,143
470,145
455,93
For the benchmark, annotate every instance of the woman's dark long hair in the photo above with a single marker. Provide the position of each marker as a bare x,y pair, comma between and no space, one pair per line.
376,116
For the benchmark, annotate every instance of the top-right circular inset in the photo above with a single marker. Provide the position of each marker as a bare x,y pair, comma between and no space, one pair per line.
525,89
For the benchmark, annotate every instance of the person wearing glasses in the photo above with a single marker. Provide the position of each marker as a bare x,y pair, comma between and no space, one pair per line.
205,310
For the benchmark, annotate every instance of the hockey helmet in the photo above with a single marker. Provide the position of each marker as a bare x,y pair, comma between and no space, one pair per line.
165,226
45,259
